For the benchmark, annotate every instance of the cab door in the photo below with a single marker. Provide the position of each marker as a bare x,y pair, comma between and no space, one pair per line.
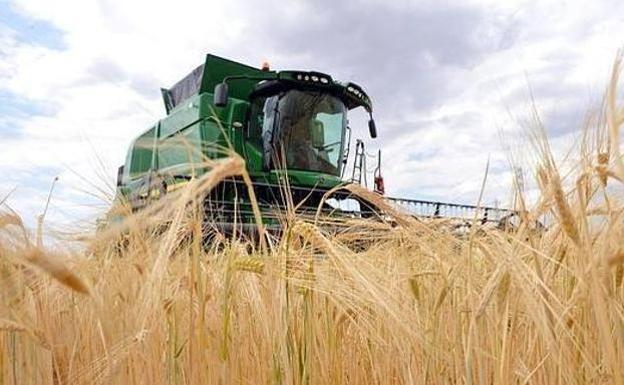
138,169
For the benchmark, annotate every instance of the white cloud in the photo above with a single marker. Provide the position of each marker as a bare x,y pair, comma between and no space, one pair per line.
440,120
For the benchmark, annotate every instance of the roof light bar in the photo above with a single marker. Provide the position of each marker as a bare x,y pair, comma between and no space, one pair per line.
316,78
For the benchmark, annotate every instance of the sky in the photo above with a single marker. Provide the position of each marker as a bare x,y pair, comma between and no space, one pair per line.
451,82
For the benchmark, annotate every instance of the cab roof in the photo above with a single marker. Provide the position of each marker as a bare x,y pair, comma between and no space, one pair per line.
251,81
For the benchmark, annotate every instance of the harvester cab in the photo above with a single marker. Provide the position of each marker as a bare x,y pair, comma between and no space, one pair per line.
299,119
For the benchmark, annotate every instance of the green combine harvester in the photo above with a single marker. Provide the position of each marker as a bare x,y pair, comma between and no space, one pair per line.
291,129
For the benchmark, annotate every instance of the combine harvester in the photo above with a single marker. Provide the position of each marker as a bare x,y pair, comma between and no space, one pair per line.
291,129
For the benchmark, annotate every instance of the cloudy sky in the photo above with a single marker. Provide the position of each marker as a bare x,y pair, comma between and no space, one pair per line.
80,79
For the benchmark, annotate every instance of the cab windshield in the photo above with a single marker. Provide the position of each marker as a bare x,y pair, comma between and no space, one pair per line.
305,127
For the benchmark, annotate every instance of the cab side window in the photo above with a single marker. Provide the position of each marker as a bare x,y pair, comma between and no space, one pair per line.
141,155
181,149
256,121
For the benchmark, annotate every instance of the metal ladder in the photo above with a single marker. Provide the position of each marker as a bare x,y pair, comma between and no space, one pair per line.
359,164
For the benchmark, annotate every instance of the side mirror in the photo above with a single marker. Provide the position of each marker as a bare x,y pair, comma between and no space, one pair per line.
120,172
221,95
372,129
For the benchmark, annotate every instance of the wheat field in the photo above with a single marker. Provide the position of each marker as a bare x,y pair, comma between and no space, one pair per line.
418,304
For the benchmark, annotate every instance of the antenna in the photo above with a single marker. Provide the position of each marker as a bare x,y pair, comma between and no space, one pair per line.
41,217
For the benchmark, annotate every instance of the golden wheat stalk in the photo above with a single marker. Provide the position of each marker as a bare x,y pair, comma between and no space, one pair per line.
250,264
54,267
9,219
12,326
